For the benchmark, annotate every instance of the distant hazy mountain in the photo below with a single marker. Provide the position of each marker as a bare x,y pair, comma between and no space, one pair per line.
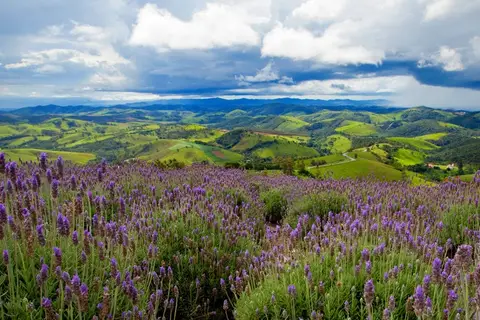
273,106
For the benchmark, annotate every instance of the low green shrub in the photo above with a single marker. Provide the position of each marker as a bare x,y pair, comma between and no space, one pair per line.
316,205
456,223
276,206
239,196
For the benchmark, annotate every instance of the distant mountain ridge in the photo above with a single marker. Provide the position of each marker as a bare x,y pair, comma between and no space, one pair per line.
276,106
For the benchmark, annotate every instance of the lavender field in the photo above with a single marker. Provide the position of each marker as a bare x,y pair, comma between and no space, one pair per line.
136,242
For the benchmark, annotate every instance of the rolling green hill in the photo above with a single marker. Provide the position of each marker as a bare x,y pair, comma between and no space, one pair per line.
234,132
408,157
417,143
188,152
281,148
359,169
355,128
337,143
32,155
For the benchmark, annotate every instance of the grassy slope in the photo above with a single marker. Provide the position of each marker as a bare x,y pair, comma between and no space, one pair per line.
359,168
432,136
415,142
409,157
356,128
285,149
467,177
363,155
188,152
291,124
338,144
32,155
333,158
251,139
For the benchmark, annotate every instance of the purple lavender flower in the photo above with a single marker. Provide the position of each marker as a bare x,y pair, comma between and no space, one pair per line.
428,305
104,165
3,214
225,305
2,163
369,292
58,272
101,250
49,176
419,301
49,312
6,257
121,209
57,252
463,256
386,314
46,303
426,282
75,238
292,291
222,284
391,303
365,254
12,170
437,269
83,297
306,269
452,297
368,267
55,185
60,166
68,294
65,277
40,235
76,283
83,257
42,276
43,161
99,175
73,182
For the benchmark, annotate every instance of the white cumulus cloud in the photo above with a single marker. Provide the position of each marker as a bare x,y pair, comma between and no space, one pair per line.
448,58
333,47
264,75
220,24
319,9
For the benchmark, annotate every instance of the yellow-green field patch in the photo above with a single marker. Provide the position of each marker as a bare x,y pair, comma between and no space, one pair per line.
415,142
355,128
337,143
32,155
360,168
408,157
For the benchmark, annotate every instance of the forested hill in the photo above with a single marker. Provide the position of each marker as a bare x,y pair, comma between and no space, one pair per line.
260,132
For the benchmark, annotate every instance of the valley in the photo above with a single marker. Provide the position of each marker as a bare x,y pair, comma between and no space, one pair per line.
313,140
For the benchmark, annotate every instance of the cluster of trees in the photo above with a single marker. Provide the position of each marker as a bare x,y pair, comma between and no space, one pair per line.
169,164
318,163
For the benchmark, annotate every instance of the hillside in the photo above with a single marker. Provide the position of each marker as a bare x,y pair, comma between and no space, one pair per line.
234,133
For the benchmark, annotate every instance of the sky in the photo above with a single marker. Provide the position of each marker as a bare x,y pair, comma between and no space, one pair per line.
410,52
